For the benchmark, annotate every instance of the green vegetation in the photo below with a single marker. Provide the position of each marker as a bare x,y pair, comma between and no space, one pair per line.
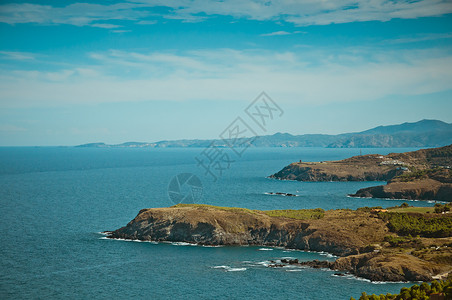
414,225
206,206
405,208
301,214
415,174
440,254
403,241
439,208
413,209
368,209
403,205
416,292
423,173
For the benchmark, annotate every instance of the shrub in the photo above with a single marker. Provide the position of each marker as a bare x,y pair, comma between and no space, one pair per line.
417,292
301,214
410,224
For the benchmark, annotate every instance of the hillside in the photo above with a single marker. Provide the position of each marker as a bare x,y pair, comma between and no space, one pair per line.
424,174
425,133
371,245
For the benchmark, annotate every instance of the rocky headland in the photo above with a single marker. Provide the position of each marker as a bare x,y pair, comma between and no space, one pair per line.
424,174
367,242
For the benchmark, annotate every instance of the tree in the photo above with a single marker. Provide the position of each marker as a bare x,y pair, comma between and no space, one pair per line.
438,208
414,291
405,293
436,287
425,287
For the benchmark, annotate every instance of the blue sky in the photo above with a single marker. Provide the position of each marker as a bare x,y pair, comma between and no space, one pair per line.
116,71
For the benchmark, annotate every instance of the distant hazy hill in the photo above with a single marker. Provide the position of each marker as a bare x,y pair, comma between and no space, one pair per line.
425,133
417,127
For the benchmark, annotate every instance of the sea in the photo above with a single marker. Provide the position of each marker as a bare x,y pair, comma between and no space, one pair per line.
55,202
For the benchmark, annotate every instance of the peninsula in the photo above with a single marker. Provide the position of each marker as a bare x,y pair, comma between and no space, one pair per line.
423,175
372,243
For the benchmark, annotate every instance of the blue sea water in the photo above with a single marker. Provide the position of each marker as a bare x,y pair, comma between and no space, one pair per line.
55,201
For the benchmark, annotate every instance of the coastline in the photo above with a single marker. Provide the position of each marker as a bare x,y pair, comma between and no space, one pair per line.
423,174
358,238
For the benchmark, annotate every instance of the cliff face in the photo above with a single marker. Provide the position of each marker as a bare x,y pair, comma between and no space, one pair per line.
354,235
424,189
381,267
359,168
424,174
214,226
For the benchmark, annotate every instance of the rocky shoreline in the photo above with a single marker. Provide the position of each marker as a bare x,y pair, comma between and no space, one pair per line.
357,237
420,175
358,168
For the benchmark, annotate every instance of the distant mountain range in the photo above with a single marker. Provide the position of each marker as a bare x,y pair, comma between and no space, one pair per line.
424,133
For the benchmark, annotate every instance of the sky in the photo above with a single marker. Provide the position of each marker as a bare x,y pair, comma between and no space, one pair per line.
148,70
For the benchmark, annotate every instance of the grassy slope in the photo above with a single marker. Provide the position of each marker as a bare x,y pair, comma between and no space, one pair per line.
298,214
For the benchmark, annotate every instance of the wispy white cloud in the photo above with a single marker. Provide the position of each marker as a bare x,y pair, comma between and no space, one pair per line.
298,12
147,22
225,74
121,31
44,76
276,33
104,25
281,32
17,55
420,38
310,12
78,14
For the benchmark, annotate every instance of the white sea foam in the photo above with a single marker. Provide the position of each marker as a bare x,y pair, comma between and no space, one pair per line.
296,267
327,254
294,270
353,277
323,253
235,269
293,250
183,244
265,249
220,267
127,240
392,199
229,269
115,239
263,263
